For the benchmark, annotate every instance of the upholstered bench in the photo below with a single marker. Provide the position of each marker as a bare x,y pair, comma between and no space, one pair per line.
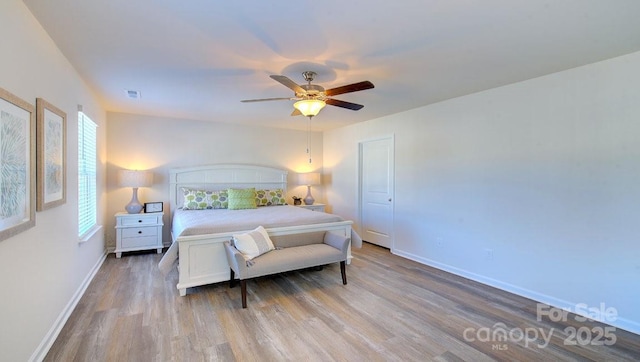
286,253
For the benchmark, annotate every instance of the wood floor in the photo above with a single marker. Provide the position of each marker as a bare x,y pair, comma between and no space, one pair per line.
392,309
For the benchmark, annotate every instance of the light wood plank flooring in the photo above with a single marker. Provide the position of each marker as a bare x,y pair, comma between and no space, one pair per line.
392,309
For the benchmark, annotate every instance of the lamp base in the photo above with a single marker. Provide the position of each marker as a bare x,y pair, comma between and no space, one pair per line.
309,200
134,206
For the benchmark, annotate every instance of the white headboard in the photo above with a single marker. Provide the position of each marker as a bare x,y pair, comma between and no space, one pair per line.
220,177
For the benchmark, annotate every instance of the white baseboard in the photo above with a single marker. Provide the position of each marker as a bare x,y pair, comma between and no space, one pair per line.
622,323
41,352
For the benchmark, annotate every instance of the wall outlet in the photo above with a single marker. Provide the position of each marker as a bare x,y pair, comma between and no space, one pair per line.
488,254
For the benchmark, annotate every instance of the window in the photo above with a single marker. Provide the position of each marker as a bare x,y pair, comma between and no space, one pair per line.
87,169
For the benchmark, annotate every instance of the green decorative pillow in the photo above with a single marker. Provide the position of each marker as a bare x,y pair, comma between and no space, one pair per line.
204,199
270,197
242,198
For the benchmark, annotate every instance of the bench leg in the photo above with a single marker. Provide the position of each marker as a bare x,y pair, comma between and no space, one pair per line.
343,272
232,278
243,291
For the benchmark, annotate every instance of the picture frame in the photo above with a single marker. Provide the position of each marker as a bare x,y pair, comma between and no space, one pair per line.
17,165
51,161
151,207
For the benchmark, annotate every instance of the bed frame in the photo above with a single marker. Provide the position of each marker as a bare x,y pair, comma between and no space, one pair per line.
201,258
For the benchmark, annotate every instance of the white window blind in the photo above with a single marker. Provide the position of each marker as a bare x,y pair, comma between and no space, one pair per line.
87,169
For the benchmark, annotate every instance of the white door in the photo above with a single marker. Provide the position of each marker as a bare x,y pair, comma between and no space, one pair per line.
376,191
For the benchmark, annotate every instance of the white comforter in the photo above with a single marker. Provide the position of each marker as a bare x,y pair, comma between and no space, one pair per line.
203,222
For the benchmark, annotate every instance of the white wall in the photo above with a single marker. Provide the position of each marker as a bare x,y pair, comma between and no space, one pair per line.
43,268
545,173
159,144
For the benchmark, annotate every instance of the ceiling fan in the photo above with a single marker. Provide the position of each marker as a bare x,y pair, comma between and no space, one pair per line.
311,98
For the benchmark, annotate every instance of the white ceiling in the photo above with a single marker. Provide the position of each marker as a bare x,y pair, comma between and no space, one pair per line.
196,59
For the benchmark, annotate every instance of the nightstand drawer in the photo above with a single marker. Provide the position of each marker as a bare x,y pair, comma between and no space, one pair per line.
139,232
139,242
140,220
314,207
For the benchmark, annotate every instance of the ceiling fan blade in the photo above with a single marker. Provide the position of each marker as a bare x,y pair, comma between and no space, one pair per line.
355,87
288,83
265,99
296,112
343,104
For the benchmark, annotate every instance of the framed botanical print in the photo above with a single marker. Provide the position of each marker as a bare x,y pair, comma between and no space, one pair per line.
17,165
51,155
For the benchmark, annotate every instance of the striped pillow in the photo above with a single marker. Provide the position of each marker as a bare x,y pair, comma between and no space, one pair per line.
254,243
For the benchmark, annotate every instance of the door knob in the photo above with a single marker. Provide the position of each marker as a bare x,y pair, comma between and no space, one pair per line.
389,199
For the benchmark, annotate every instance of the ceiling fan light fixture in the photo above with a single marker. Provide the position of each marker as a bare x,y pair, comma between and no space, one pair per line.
309,107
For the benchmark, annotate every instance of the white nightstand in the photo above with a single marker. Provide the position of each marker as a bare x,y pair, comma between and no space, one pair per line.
314,207
138,232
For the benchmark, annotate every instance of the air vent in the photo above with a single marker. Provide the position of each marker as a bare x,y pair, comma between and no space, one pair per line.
133,94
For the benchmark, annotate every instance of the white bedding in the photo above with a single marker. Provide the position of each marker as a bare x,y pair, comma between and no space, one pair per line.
203,222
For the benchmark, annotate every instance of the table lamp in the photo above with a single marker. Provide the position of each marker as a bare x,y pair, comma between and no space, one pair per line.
135,179
309,179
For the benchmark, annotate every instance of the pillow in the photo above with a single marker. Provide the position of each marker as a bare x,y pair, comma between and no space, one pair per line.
242,198
204,199
270,197
254,243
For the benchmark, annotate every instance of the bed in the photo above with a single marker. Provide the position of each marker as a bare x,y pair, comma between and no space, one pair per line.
197,243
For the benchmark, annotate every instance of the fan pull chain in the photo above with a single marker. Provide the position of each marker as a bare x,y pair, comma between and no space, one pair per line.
308,132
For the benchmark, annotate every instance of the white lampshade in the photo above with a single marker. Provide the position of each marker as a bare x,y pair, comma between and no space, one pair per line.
135,178
309,178
309,107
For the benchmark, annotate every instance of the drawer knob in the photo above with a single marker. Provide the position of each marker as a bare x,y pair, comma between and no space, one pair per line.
140,232
139,220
